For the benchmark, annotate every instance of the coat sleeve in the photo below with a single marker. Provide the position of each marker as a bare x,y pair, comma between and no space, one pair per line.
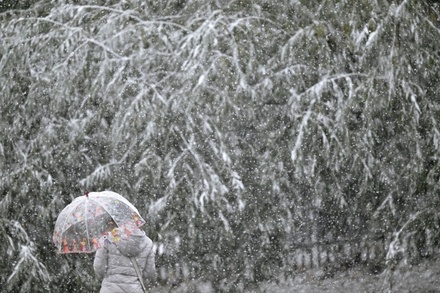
149,272
100,263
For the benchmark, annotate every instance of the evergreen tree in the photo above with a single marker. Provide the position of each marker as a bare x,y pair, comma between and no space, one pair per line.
239,129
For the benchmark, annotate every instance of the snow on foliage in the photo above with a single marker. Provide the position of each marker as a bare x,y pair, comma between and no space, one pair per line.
241,129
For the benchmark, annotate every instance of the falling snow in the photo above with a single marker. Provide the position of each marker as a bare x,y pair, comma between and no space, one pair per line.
269,145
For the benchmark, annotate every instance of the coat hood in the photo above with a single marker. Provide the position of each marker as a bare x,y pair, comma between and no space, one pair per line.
134,244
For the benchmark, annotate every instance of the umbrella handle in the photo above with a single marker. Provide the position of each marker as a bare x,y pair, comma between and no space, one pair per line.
138,272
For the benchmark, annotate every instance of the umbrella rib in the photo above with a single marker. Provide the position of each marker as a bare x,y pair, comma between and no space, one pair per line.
129,205
86,222
102,206
71,208
108,212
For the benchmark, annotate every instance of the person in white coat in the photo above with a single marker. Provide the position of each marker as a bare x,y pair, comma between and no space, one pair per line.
113,263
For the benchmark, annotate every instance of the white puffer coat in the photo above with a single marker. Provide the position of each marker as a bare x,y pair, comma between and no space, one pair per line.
113,264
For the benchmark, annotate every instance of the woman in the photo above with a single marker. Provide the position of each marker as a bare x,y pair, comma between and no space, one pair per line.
113,262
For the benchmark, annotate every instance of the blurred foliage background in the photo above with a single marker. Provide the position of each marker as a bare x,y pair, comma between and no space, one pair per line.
241,130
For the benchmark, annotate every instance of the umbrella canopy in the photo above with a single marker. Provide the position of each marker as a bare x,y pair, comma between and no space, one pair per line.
89,220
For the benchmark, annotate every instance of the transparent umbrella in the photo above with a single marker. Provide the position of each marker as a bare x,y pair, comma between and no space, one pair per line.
88,220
